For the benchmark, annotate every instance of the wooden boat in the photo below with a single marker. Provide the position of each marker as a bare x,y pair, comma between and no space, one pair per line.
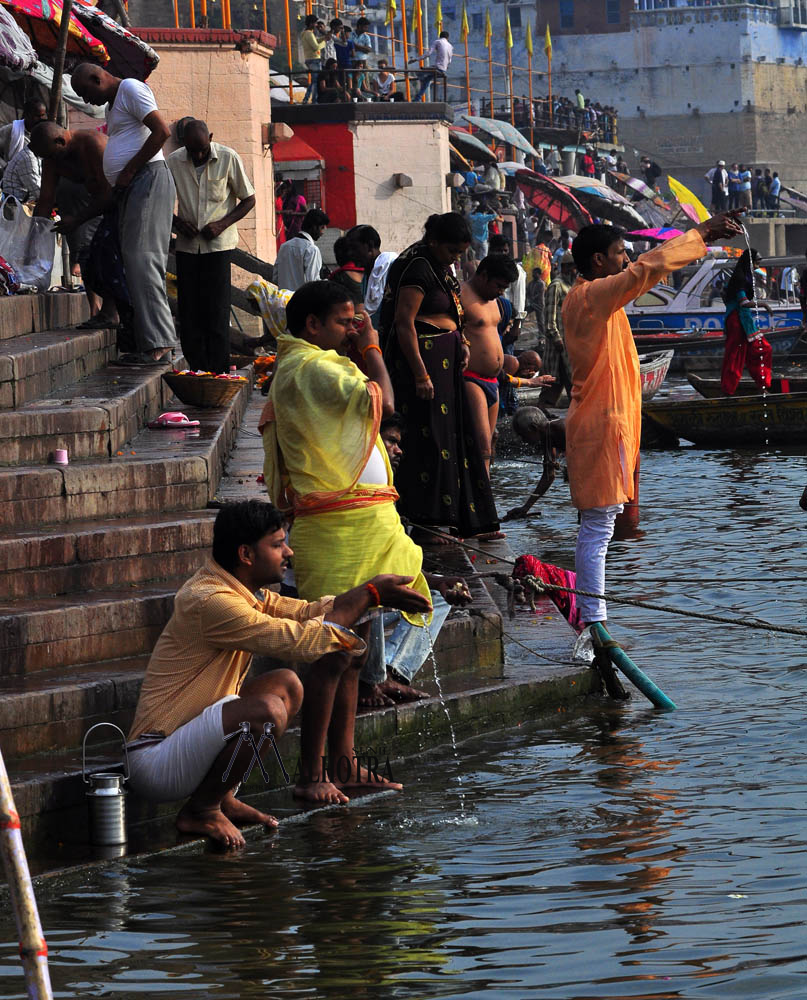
710,388
729,422
653,370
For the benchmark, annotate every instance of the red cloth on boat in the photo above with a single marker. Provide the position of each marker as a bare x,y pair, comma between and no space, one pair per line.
565,602
755,355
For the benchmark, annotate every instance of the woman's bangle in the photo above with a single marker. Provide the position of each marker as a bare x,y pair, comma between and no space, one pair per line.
465,341
372,590
423,379
370,347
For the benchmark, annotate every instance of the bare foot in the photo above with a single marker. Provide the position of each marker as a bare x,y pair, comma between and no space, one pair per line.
429,535
369,781
372,696
210,823
320,793
239,812
401,693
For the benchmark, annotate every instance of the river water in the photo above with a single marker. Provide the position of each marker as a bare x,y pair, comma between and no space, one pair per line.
612,852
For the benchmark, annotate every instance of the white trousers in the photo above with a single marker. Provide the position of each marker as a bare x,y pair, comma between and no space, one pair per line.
596,530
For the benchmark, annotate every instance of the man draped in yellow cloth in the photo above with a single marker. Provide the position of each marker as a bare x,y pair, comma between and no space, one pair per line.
326,465
603,426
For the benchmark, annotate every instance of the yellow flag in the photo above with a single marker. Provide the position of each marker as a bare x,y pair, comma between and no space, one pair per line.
528,40
415,17
464,29
438,17
685,197
548,44
488,30
508,34
391,8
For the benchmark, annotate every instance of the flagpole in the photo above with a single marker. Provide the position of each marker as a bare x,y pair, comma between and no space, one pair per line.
392,39
467,74
532,107
288,50
419,25
490,77
548,51
407,88
510,78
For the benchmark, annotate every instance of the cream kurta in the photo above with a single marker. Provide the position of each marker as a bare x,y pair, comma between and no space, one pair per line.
604,422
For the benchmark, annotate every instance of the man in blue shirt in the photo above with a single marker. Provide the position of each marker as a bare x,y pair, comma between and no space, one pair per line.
479,222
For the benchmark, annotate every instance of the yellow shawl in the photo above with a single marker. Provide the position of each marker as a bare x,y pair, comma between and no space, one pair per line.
319,426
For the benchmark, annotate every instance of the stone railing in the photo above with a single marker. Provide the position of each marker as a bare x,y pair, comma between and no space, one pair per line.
706,13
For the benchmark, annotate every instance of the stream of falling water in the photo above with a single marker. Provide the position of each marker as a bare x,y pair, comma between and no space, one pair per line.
758,339
437,681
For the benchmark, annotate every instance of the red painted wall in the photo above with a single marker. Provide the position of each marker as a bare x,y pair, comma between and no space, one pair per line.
335,144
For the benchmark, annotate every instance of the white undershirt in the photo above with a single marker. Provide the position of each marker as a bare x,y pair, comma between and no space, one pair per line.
375,472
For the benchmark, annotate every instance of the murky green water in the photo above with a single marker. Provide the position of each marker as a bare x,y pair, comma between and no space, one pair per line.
615,853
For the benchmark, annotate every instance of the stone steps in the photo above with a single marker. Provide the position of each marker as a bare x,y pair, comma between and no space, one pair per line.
97,555
53,710
49,633
91,418
23,314
162,470
32,366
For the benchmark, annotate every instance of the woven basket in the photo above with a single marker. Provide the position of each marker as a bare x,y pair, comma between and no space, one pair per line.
203,390
242,360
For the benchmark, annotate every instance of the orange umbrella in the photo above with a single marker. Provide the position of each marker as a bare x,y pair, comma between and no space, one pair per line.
40,20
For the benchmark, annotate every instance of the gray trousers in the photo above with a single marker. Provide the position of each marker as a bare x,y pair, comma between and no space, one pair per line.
146,217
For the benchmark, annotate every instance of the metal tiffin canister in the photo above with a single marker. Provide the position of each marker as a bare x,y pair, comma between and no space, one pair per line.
106,796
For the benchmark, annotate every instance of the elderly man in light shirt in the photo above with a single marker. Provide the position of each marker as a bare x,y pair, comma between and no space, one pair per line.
14,136
299,259
213,193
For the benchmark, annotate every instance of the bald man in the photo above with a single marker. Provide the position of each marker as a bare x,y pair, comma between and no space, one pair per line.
135,168
213,193
73,181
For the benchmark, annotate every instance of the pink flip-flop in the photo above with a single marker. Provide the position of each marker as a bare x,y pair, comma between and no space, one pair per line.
172,420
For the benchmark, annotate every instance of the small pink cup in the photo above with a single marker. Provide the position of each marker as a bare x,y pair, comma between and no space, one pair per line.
60,456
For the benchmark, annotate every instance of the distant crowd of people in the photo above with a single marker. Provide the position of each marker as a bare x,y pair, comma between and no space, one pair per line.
737,187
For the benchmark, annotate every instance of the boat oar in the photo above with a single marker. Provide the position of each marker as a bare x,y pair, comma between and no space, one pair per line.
620,659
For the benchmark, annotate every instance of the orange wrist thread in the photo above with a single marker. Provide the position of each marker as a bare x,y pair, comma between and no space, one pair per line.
372,590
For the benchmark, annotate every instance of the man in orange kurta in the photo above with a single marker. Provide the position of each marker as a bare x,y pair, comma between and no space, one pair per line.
603,426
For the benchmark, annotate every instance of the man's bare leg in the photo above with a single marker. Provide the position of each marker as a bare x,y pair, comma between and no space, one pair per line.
212,809
478,413
321,684
341,737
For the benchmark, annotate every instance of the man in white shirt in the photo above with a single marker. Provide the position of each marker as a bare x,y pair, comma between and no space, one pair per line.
440,54
298,259
516,292
22,176
14,136
136,169
213,193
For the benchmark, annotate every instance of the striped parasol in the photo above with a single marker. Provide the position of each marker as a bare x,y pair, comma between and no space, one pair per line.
40,20
555,200
129,56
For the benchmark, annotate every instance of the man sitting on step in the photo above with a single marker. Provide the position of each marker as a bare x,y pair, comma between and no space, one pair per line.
195,691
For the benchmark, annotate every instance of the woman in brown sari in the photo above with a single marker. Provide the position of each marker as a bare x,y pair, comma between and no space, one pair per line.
441,479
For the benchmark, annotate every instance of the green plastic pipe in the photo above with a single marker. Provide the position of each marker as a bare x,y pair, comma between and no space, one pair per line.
620,659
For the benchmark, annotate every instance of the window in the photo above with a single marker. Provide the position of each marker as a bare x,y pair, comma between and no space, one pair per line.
566,13
612,13
477,21
450,11
515,17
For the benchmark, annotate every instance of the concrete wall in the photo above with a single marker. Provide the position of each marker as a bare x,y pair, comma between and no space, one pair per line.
229,89
419,149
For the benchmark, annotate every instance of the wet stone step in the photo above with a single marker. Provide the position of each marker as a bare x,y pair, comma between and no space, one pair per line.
34,365
102,554
22,314
54,710
162,470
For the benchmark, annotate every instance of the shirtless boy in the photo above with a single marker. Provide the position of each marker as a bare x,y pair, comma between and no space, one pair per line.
492,278
79,157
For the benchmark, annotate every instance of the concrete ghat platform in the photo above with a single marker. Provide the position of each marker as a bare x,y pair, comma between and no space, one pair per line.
490,681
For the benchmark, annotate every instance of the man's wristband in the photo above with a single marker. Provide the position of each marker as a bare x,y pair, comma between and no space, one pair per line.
370,347
372,590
